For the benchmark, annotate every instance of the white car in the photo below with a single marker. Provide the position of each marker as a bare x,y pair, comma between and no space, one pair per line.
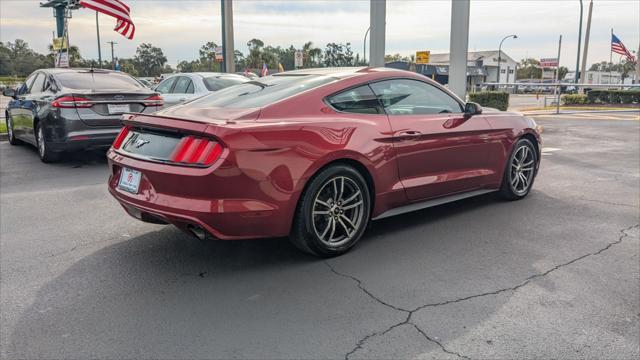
182,87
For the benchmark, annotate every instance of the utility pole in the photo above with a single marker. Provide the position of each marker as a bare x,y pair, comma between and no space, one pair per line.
638,66
228,53
558,89
459,47
99,47
586,45
576,78
113,62
377,23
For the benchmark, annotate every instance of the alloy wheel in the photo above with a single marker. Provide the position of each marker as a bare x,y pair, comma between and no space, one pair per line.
10,129
522,169
41,143
338,211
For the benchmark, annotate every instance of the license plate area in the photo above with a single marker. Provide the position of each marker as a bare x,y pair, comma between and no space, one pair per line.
118,108
129,180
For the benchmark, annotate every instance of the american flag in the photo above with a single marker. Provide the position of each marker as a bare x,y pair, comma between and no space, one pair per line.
264,71
116,9
618,47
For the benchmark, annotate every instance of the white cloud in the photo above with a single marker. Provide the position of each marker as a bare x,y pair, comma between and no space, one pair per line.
181,27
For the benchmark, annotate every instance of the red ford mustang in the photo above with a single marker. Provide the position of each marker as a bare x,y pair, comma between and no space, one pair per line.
316,154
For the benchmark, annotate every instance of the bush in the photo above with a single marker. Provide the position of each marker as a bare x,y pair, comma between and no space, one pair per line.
492,99
574,99
613,97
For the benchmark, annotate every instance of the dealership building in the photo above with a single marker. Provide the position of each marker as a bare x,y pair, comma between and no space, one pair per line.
482,66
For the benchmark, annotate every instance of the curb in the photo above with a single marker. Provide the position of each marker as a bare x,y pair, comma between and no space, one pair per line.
4,137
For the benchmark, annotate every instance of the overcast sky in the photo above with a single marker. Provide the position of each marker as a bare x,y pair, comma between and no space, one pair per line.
181,27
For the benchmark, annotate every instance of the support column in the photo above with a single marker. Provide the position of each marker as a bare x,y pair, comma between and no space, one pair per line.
227,37
459,46
60,20
377,11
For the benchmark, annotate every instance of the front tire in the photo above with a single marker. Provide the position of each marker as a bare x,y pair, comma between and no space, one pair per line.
10,134
333,212
520,171
46,155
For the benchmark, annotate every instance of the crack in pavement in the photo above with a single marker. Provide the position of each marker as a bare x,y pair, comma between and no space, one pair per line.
607,202
407,321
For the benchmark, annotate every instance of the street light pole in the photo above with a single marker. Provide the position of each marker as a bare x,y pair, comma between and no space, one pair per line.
500,55
577,78
113,62
364,53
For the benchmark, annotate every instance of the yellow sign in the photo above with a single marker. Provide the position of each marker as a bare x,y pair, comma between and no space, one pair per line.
60,43
422,57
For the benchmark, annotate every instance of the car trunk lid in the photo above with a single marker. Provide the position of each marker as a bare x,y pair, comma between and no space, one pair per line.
158,137
106,108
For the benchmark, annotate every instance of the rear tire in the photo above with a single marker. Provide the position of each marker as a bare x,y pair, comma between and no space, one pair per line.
520,171
333,212
46,155
10,134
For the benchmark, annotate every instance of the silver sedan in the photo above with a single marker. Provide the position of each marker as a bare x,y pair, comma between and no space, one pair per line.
181,87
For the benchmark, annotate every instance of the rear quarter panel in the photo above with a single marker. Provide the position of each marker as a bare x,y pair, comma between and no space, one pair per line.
507,129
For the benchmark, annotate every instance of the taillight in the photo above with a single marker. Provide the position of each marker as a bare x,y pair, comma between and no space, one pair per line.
196,151
121,136
70,102
155,100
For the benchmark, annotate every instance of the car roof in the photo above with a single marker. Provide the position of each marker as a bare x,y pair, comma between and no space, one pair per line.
78,70
339,72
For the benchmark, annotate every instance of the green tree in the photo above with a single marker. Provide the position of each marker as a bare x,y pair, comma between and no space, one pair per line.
149,60
208,57
529,69
338,55
311,56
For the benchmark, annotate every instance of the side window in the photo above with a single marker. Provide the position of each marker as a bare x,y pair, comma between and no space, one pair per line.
190,89
27,84
181,86
165,86
413,97
360,100
38,83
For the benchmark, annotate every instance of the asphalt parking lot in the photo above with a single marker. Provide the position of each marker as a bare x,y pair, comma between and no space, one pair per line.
556,275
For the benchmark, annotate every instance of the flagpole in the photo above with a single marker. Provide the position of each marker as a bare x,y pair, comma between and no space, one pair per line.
99,50
610,56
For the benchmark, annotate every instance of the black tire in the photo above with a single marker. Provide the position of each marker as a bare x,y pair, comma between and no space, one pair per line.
520,171
349,218
45,153
10,135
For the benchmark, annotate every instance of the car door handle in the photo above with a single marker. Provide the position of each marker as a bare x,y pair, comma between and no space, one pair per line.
409,135
182,99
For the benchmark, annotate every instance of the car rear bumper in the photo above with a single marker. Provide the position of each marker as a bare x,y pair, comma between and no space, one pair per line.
86,139
184,197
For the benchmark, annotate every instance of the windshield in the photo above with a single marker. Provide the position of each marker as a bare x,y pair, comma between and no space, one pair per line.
215,83
261,92
98,81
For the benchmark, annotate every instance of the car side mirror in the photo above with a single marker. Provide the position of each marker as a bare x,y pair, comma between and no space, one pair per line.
471,109
9,93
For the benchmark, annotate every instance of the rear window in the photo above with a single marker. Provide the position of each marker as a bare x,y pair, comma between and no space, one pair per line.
259,93
215,83
98,81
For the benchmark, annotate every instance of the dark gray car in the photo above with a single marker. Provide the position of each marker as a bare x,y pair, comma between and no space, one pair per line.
60,110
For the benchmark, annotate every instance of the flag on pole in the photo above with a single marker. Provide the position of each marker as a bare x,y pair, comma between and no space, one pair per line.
618,47
116,9
264,71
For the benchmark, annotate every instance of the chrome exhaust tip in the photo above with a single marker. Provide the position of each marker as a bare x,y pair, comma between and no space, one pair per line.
198,232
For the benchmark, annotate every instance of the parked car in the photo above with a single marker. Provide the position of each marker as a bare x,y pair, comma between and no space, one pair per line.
73,109
182,87
146,82
316,154
248,74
